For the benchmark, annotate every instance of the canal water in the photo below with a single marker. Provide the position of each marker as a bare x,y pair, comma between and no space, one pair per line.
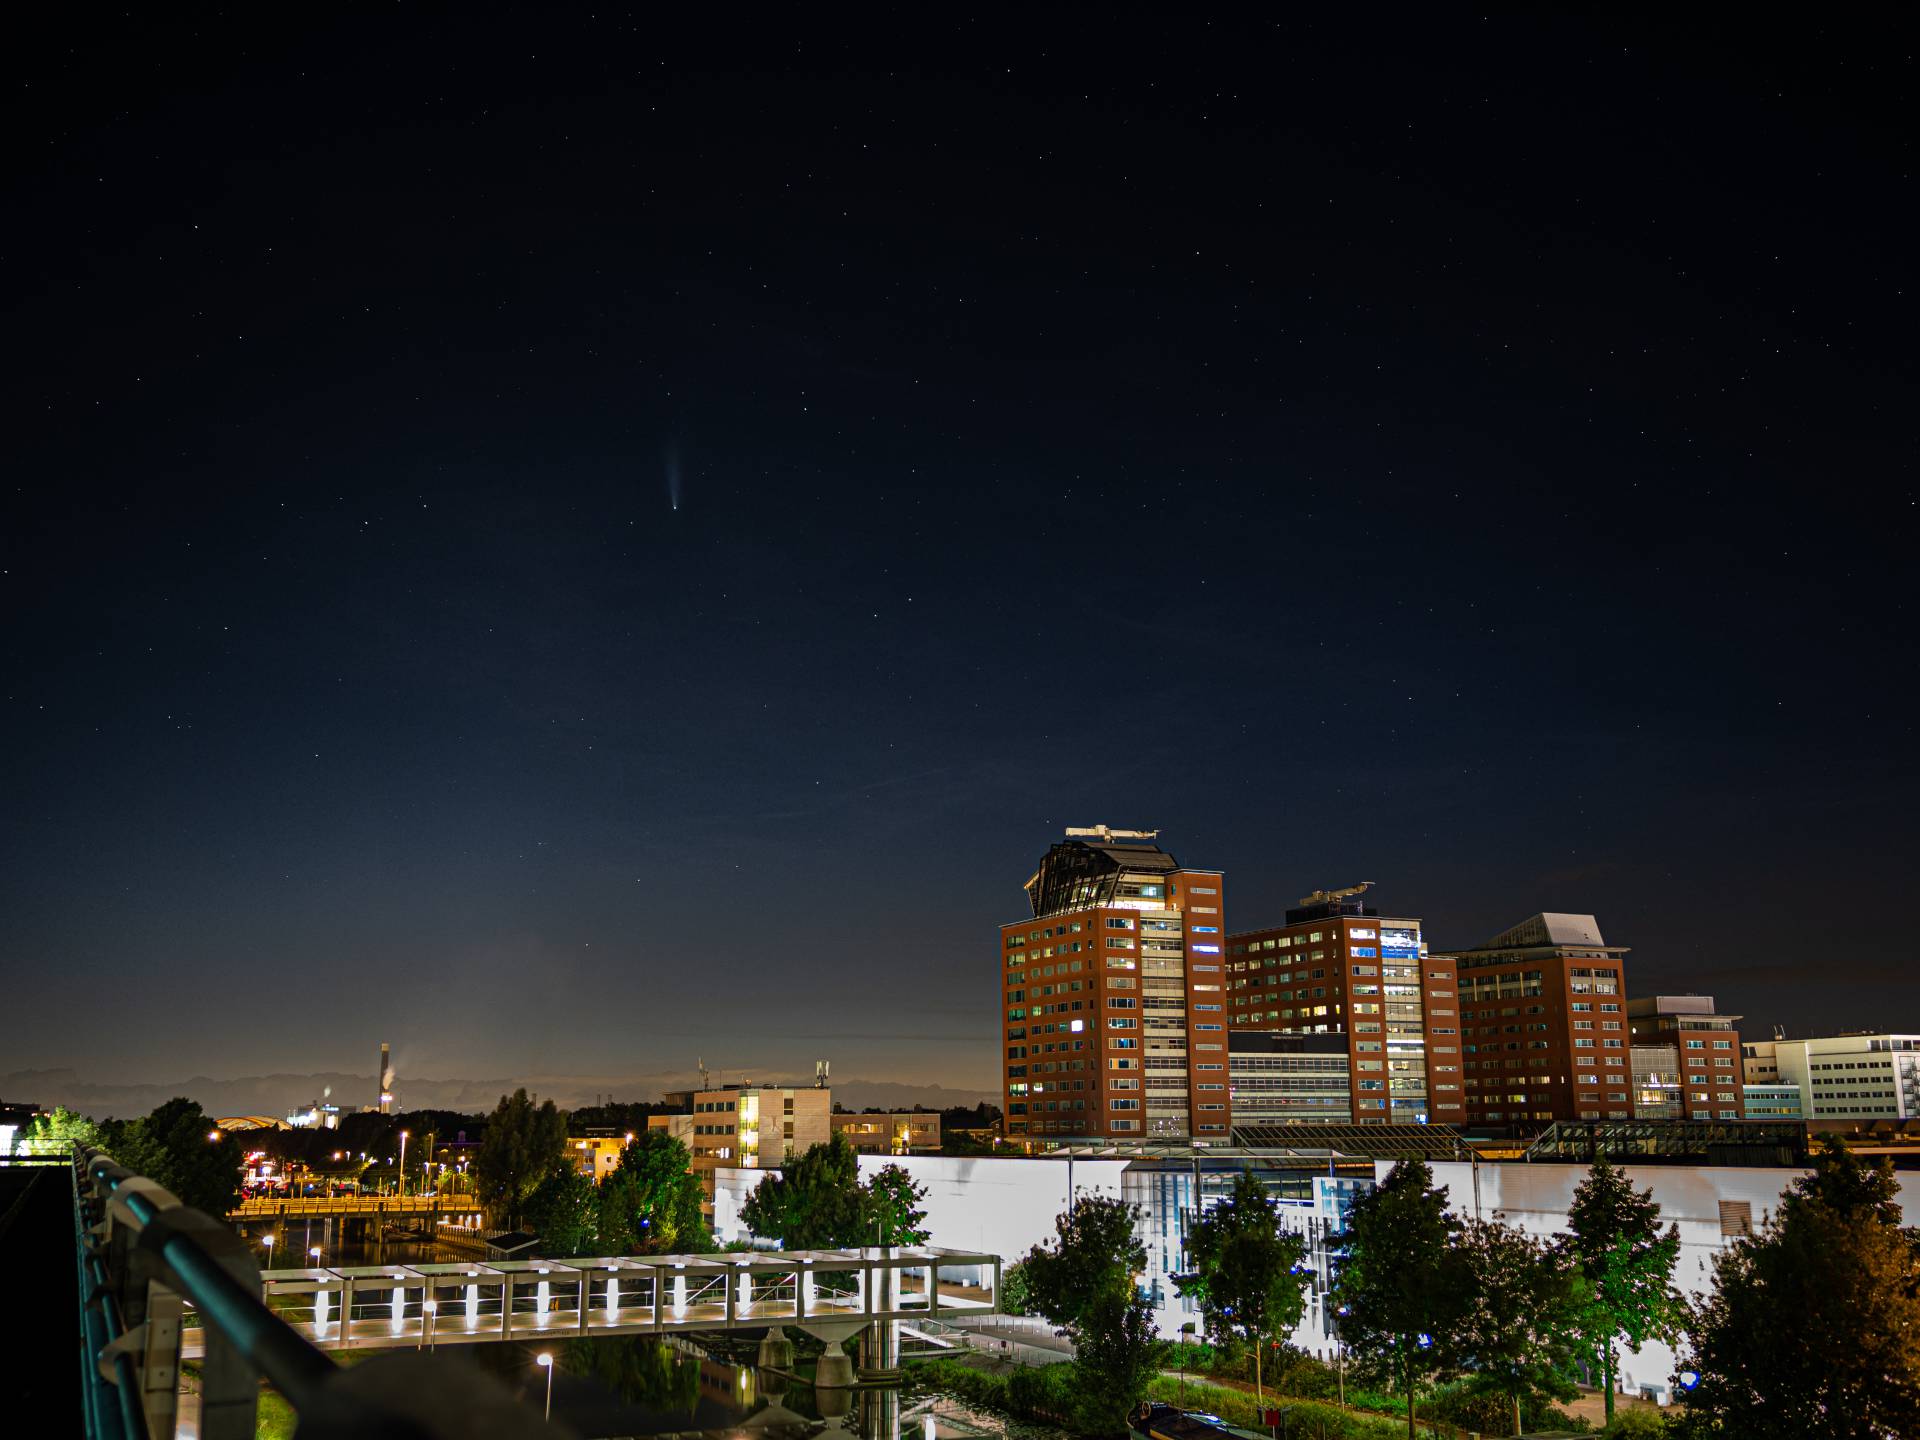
630,1386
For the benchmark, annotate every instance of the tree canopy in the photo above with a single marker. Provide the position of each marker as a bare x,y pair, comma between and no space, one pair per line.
1083,1280
56,1131
1095,1249
522,1144
177,1145
1813,1323
1517,1333
1246,1274
1624,1268
1398,1283
820,1203
650,1205
563,1211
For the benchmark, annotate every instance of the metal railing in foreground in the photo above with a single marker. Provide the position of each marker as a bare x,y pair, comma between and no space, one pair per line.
144,1256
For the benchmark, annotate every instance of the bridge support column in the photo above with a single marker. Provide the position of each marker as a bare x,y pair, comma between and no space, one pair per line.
835,1370
880,1345
880,1351
776,1350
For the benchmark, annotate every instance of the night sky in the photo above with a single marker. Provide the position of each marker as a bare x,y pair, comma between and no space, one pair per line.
573,545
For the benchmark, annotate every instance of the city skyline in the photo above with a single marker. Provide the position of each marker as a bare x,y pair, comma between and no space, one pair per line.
585,547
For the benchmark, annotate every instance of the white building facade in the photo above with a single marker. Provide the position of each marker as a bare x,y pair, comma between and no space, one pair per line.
1006,1205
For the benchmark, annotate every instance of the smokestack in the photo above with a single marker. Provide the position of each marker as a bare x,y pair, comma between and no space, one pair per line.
385,1080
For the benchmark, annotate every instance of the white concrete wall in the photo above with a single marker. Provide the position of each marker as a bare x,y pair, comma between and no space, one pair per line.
1000,1205
1535,1198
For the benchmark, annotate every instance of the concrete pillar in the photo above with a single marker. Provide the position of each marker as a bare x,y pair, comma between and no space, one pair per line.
679,1294
776,1350
880,1350
803,1293
835,1370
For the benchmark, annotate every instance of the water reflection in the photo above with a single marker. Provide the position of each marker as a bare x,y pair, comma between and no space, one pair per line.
615,1386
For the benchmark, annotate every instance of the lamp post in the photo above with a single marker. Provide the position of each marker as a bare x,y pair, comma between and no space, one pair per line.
429,1309
1340,1354
403,1164
267,1240
546,1363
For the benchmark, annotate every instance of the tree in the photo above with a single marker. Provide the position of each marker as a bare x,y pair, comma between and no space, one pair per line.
1517,1336
650,1204
1398,1278
816,1203
1115,1356
1083,1281
562,1211
1624,1267
1016,1298
892,1206
820,1203
522,1144
1247,1276
1095,1249
177,1145
1813,1323
57,1131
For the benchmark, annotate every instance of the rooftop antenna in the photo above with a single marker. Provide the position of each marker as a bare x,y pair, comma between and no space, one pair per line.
705,1084
1102,832
819,1074
1327,897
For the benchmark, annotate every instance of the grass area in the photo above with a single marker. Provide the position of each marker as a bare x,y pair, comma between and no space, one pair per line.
1304,1417
1041,1393
275,1419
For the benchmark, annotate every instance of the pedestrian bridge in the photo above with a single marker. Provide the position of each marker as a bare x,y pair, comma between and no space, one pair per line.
350,1207
833,1294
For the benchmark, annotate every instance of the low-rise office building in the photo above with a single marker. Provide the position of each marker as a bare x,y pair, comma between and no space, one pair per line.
747,1127
1702,1056
903,1132
597,1156
1850,1078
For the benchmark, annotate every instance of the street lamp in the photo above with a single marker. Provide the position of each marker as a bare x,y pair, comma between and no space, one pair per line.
403,1164
314,1255
546,1363
1340,1353
430,1309
267,1240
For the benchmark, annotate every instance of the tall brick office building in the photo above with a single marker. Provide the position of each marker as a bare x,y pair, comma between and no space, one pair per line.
1543,1017
1341,970
1113,1017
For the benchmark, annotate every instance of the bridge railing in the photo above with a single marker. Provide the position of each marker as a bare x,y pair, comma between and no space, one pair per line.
144,1257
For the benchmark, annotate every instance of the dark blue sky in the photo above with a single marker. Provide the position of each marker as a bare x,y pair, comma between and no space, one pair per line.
1474,455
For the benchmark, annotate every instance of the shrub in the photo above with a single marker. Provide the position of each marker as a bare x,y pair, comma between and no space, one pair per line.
1638,1424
